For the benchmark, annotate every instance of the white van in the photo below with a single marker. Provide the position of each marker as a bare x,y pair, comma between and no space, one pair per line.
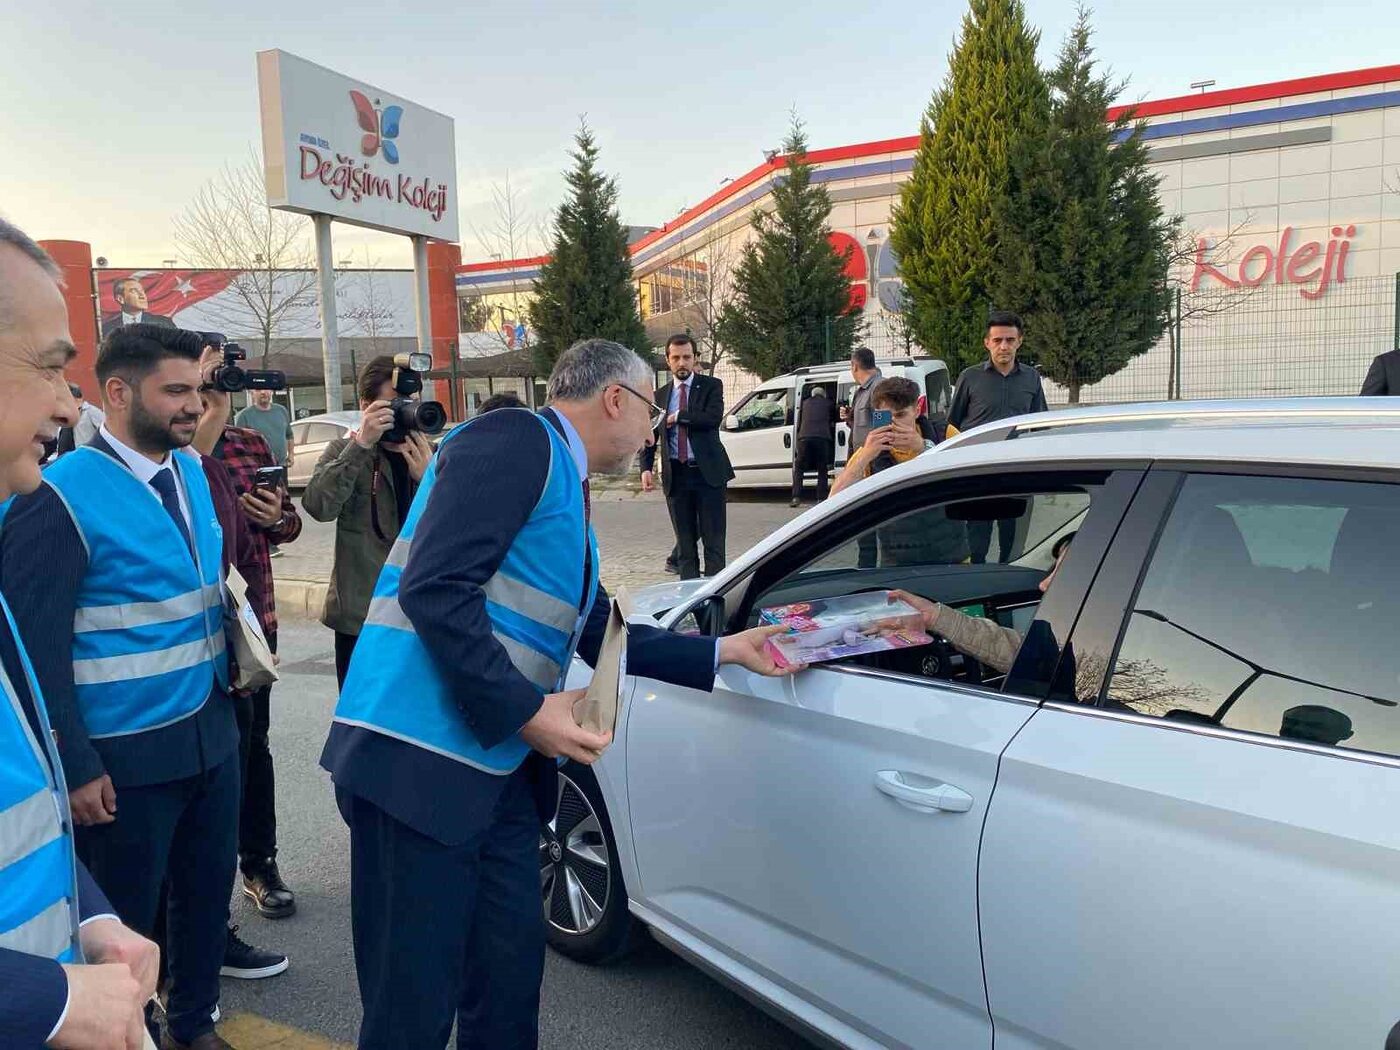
758,431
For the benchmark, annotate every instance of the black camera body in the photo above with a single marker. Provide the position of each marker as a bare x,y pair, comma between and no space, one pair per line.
231,378
410,414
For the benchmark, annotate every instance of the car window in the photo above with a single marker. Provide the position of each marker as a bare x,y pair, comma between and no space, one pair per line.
984,556
940,394
1269,606
763,409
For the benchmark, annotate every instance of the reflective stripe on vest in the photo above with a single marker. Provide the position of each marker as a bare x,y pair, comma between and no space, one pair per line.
38,877
148,632
533,602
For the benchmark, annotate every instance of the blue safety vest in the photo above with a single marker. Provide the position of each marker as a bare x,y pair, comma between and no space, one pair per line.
148,632
38,876
534,600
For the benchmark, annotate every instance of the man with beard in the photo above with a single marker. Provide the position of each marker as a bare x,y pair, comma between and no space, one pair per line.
696,468
113,570
444,742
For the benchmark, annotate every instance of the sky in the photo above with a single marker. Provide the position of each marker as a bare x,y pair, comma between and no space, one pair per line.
113,116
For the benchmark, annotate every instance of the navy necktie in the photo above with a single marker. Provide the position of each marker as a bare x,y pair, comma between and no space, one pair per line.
164,483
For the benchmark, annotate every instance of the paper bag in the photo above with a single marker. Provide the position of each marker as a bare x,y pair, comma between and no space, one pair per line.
252,654
597,709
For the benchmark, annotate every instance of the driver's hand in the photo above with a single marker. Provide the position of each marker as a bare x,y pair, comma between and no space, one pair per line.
927,609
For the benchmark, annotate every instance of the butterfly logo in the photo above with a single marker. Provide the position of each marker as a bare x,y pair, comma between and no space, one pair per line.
380,128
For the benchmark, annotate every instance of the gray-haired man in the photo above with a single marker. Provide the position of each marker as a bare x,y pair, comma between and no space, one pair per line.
444,769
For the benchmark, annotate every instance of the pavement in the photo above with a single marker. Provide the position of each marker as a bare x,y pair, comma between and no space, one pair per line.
650,1001
634,537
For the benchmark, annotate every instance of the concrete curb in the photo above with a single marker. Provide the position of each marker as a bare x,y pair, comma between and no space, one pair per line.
300,599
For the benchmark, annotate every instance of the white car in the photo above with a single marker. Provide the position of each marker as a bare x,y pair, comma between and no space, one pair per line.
758,431
1171,825
311,436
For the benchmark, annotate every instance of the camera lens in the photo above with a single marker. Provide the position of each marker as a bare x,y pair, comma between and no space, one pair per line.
229,378
430,417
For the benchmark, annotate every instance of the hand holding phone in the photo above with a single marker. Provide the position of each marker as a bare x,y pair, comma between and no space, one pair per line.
271,478
881,417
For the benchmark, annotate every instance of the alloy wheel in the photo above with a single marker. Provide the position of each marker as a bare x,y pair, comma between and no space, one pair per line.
575,879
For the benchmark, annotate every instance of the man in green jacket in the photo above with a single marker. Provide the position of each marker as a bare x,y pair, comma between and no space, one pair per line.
365,485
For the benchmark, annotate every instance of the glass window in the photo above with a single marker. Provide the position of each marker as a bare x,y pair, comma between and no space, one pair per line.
940,395
1269,606
475,393
763,409
950,551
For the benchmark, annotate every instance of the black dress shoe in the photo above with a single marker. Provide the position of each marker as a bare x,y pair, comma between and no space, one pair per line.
263,885
673,568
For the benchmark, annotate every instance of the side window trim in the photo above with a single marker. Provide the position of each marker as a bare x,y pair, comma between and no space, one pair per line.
1098,632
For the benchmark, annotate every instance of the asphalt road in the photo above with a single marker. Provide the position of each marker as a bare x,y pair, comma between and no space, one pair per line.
652,1000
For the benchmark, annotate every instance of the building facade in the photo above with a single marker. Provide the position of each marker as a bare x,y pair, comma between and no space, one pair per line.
1289,197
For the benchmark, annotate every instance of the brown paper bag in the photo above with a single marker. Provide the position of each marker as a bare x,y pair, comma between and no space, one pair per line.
597,709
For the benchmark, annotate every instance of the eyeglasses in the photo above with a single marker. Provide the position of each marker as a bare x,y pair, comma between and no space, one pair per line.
657,414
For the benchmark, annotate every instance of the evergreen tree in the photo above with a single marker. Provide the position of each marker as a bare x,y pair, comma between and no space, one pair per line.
586,290
791,300
1083,238
943,228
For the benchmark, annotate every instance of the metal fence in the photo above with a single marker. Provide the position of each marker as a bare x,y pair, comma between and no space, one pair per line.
1266,341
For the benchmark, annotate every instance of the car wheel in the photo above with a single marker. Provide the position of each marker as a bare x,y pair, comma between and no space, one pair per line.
585,902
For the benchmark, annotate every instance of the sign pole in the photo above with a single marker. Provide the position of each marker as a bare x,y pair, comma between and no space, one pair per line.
422,306
330,340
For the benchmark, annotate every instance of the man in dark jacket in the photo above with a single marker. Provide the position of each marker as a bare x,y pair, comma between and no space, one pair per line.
1383,378
815,443
695,468
365,485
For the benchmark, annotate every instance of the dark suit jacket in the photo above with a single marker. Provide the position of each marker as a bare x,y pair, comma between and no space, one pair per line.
1383,378
35,988
472,517
42,566
817,418
112,322
702,417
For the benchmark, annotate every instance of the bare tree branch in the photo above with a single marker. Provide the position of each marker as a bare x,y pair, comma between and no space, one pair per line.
228,226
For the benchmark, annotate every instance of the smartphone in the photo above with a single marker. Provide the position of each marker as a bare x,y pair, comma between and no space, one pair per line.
270,478
881,417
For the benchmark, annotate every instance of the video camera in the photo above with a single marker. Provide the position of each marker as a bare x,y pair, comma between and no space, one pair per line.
230,378
427,417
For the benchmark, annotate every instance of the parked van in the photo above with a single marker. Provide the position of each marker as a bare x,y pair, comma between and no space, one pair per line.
758,431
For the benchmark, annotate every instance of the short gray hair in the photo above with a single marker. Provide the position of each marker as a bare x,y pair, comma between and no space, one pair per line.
588,367
13,235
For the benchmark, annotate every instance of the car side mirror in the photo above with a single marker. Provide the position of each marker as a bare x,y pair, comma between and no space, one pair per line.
704,619
731,422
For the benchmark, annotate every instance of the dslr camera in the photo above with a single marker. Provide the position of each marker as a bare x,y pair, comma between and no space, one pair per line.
230,378
426,417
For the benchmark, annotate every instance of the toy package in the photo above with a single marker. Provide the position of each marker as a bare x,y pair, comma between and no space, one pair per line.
833,628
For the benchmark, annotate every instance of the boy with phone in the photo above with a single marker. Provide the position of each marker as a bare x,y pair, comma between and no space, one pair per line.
897,432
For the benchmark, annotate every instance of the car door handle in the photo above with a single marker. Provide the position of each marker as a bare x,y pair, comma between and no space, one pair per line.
787,441
923,794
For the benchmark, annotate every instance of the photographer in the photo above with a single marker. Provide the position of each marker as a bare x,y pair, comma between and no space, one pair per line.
365,485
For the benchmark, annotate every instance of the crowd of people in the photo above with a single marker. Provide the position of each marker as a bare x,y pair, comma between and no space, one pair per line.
136,780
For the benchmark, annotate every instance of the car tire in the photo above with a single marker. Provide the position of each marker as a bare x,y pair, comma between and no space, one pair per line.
583,896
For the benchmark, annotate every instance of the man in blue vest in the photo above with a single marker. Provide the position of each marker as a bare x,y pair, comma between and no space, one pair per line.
72,975
113,568
444,745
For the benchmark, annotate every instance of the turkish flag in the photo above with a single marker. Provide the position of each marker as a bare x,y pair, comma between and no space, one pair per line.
167,291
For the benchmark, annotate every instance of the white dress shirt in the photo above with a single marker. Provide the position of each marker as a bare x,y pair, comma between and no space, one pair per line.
145,470
131,318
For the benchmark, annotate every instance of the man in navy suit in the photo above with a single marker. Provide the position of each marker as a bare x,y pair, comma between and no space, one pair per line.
130,295
80,982
444,745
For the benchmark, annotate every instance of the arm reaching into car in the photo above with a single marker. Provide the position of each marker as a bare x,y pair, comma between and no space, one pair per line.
984,640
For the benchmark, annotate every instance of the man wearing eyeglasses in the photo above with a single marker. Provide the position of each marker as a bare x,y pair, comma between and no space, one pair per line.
696,468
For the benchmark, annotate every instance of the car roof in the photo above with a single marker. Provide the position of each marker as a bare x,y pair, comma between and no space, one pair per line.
342,419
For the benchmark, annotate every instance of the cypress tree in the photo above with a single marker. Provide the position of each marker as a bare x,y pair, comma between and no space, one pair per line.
586,289
1083,238
791,297
944,227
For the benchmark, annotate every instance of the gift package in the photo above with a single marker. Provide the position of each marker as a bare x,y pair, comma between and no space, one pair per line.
833,628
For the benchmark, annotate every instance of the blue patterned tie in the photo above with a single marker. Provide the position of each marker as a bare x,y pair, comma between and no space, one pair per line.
164,483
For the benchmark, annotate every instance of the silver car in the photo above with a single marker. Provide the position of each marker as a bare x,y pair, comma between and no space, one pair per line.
1170,822
311,436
